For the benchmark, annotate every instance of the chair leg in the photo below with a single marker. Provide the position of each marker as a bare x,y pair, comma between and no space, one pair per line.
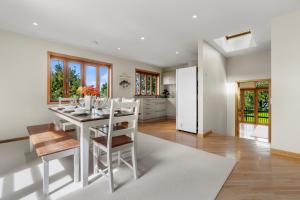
119,158
95,158
134,164
110,172
76,165
46,177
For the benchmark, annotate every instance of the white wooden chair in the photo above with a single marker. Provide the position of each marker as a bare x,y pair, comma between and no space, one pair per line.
127,100
117,140
97,131
63,124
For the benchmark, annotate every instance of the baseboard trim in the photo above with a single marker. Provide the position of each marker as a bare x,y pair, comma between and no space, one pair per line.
14,139
205,134
288,154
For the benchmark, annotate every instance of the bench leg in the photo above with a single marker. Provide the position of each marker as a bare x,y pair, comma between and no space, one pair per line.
46,177
76,165
30,146
56,123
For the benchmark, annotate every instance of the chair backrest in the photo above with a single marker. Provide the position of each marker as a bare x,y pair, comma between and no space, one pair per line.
124,100
116,118
62,99
112,99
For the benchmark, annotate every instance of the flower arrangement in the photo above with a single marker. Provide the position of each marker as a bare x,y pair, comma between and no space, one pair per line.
88,91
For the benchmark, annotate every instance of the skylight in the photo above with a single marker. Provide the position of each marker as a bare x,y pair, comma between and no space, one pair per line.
236,42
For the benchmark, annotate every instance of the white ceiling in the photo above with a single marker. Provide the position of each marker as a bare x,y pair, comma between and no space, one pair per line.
167,25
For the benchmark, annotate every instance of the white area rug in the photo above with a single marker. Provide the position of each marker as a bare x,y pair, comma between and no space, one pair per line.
167,171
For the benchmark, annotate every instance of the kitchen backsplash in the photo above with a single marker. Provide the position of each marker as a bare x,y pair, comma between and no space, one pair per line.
171,89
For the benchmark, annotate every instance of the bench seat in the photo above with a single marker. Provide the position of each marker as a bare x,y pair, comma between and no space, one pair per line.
47,140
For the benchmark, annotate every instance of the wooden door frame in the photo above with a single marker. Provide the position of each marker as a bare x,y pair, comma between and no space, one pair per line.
237,104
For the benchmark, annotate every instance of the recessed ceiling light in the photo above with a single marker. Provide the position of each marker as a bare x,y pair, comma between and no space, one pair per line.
35,24
142,38
119,48
195,16
177,52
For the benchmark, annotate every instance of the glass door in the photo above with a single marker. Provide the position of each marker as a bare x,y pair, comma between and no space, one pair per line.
263,106
248,105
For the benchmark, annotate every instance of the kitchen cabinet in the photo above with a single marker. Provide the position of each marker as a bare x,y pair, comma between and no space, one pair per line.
152,108
169,78
171,108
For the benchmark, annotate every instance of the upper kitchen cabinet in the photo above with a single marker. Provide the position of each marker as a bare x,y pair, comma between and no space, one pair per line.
169,78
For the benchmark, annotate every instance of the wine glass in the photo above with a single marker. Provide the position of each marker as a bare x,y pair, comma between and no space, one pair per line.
81,102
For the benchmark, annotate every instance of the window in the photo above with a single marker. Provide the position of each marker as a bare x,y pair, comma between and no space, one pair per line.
146,83
67,73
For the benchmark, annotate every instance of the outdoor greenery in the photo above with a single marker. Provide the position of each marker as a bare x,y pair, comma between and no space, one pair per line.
74,82
263,106
148,84
154,85
57,82
263,100
249,100
262,84
263,117
104,91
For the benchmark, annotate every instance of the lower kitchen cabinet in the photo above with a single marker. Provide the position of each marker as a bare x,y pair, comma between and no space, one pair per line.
152,108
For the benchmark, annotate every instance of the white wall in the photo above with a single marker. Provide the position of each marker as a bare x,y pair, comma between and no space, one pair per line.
286,82
23,80
212,89
240,68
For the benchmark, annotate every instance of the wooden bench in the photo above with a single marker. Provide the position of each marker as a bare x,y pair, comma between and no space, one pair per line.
51,144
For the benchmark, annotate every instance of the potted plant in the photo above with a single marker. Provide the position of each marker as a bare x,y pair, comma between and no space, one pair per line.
166,93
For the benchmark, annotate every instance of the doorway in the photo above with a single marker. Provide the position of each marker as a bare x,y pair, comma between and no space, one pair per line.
253,110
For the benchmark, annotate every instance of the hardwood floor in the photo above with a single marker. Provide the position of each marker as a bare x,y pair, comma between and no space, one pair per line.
257,175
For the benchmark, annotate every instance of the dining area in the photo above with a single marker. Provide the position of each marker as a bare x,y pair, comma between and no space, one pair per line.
102,127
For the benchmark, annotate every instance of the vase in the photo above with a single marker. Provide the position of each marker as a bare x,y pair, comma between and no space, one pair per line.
88,102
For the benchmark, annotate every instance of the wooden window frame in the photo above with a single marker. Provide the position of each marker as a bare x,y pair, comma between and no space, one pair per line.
147,73
83,62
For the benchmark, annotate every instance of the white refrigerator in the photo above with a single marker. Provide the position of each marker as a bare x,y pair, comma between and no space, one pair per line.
187,99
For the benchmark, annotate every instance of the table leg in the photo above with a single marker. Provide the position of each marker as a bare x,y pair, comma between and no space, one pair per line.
84,155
